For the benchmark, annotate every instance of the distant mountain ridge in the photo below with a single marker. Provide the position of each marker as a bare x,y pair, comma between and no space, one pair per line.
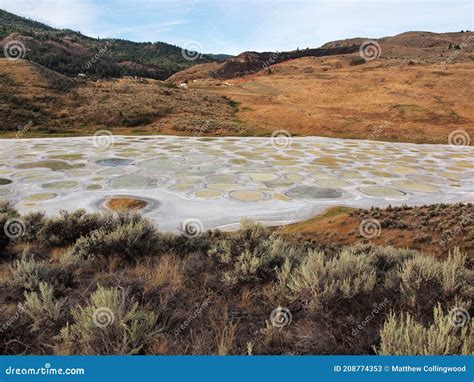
70,52
413,47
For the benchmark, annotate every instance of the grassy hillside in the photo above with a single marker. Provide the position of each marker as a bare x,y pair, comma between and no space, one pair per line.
434,229
70,52
50,103
381,100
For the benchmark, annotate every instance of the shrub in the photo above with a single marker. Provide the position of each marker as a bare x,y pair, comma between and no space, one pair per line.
129,241
405,336
357,61
43,308
70,226
426,281
33,223
252,254
321,279
111,324
7,212
27,274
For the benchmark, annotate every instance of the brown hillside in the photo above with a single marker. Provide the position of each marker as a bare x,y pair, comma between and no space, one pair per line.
435,229
393,100
412,93
426,47
61,105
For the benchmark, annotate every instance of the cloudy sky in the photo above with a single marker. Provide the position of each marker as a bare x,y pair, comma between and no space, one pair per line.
233,26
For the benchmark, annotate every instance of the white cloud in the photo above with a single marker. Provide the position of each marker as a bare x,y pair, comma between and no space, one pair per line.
233,26
76,15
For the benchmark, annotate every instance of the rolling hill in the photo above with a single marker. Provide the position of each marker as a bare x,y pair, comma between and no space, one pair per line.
413,47
69,52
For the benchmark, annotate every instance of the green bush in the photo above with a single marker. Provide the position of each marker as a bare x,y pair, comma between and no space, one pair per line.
69,226
326,280
252,254
27,273
7,212
34,222
263,263
404,336
426,281
112,323
130,241
43,308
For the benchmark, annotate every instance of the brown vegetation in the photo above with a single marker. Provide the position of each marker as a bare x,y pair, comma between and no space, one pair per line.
434,229
36,101
418,90
100,284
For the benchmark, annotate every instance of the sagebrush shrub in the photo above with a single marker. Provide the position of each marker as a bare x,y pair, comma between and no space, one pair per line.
325,280
27,273
7,212
405,336
34,222
43,308
252,254
112,323
130,241
426,281
66,228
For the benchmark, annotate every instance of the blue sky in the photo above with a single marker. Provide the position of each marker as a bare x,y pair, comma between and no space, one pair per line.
234,26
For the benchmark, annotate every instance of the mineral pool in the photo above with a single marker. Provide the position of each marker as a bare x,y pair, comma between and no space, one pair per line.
218,181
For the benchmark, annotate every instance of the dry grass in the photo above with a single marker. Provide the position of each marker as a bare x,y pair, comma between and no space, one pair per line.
216,293
329,97
386,99
167,271
58,105
434,229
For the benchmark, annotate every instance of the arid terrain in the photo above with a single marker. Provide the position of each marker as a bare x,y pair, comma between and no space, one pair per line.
409,94
157,276
418,90
434,230
99,284
52,104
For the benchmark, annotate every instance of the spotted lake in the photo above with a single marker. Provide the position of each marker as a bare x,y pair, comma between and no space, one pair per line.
220,180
